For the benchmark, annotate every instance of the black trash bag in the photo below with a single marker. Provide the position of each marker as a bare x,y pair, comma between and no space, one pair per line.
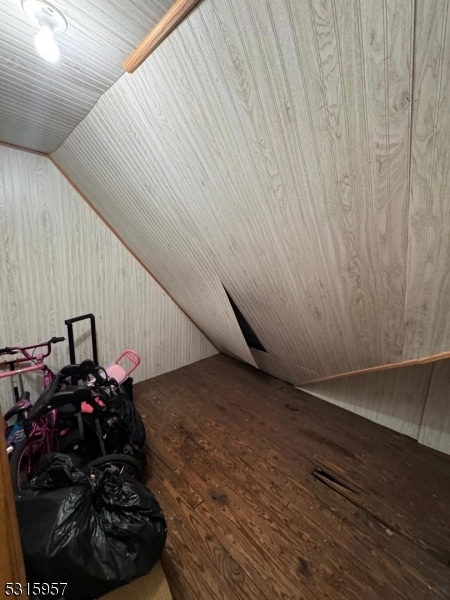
57,470
94,532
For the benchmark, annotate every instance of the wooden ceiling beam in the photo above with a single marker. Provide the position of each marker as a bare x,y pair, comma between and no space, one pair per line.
162,29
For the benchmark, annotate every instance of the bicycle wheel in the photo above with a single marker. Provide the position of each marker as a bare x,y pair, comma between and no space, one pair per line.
24,462
127,465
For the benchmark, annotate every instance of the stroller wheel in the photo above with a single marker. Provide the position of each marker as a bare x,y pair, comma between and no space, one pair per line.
127,465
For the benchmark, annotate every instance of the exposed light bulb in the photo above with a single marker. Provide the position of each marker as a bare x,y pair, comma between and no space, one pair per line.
46,45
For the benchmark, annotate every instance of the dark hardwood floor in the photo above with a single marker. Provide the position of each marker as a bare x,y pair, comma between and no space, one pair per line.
271,493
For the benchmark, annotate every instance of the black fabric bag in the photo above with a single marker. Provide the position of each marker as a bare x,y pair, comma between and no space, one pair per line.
121,403
94,532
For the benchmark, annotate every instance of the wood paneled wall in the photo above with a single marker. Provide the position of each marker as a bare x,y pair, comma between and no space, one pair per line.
264,146
435,428
59,260
411,400
394,398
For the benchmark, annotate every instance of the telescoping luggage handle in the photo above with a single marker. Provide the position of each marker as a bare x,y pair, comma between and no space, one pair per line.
69,324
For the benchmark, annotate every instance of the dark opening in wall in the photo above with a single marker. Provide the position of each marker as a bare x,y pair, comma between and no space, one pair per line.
250,336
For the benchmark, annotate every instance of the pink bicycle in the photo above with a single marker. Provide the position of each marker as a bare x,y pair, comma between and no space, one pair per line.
14,369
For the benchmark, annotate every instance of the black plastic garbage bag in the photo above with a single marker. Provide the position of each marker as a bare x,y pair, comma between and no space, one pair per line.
94,532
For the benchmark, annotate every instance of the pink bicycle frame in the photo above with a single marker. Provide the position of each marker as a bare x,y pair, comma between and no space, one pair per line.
3,374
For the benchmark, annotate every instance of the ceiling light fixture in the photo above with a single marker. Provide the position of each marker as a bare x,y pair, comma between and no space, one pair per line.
50,21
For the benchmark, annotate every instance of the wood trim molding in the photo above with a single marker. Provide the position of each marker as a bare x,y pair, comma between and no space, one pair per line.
11,559
14,147
160,31
397,365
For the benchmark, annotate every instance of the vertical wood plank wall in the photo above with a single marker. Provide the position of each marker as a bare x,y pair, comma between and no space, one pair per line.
435,429
411,400
59,260
394,398
264,146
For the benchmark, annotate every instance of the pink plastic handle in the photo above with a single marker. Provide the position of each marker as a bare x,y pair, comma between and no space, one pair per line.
132,356
117,371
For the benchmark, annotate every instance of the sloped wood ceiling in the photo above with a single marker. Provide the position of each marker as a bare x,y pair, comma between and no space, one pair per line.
40,103
428,291
265,146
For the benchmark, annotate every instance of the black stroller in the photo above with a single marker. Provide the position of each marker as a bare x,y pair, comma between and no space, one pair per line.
91,418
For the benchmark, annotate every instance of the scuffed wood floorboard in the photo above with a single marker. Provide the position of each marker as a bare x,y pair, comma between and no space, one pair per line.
232,455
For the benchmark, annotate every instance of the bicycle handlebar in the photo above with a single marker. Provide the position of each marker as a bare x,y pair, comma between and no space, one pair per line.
26,354
7,350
